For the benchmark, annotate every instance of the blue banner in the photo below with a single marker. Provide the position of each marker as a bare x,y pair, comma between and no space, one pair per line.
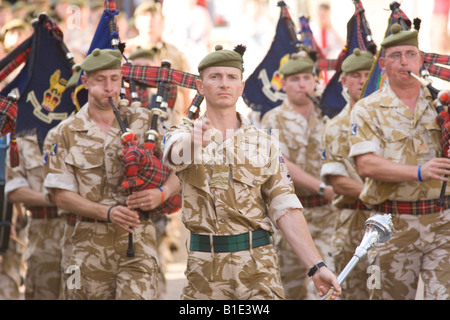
262,90
41,85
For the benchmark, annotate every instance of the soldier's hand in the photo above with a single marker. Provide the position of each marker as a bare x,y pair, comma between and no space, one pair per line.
202,132
435,169
146,200
324,280
124,217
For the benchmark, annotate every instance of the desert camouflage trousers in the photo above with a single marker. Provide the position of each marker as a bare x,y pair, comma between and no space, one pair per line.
43,258
297,285
243,275
99,266
66,252
348,234
420,244
12,268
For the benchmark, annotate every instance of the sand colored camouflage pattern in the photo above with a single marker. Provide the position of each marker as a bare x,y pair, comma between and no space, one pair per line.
100,257
384,125
300,139
233,192
300,142
43,253
349,228
12,268
419,243
88,162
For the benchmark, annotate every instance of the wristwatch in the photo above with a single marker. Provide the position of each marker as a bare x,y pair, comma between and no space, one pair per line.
315,268
322,188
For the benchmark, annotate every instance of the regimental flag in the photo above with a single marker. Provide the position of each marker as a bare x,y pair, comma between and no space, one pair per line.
103,39
358,36
41,85
262,90
377,76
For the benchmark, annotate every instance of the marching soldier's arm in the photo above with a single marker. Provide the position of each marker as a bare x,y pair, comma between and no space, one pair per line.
295,229
376,167
346,186
73,202
29,197
305,181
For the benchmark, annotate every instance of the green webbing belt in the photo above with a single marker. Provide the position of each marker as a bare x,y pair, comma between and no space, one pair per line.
232,243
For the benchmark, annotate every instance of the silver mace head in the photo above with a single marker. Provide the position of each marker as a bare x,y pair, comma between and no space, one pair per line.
379,229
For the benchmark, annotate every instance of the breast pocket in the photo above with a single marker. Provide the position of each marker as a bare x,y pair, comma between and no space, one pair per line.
395,142
88,170
247,187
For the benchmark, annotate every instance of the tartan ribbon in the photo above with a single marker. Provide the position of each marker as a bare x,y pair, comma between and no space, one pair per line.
230,243
43,212
15,58
313,201
8,115
419,207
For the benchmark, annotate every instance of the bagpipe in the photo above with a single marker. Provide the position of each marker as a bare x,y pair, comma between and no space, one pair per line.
142,163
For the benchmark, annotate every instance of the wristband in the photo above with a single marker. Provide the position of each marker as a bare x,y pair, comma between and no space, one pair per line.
315,268
419,174
109,212
162,195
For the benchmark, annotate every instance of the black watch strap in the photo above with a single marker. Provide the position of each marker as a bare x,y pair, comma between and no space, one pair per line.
315,268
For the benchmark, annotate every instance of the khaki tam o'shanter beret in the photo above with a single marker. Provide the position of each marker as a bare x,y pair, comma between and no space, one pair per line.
142,53
358,60
299,62
224,58
400,37
102,59
76,72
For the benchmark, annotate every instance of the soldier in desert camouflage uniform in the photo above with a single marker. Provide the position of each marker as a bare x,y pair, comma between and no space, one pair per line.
396,143
299,124
25,184
235,188
85,177
343,175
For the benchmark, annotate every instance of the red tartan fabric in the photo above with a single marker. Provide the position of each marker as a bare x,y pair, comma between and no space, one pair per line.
43,212
357,205
313,201
145,171
435,64
415,207
152,76
8,115
21,58
443,119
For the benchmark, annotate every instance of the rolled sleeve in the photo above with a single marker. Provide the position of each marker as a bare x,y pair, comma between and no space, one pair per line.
333,168
60,181
15,184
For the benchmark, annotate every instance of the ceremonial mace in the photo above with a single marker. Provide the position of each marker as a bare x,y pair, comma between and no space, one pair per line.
378,230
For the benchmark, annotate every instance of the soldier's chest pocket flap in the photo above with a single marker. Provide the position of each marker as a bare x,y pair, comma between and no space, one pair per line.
84,158
250,176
